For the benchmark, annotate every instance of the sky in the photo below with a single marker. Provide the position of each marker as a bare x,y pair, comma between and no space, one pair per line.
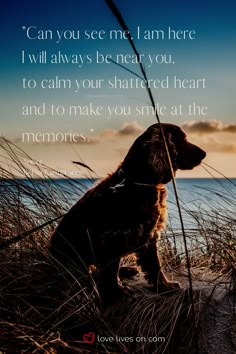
51,31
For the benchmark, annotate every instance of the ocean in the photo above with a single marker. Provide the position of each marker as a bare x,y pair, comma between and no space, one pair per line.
205,197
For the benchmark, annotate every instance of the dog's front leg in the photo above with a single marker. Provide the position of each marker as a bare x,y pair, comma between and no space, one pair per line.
108,281
149,261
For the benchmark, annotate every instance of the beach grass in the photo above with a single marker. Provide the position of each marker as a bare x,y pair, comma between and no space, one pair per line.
48,307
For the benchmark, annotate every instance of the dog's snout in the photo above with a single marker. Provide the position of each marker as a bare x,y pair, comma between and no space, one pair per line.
201,153
190,157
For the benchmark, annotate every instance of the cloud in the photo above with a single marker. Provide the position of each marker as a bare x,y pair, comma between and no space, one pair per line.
206,127
213,136
230,128
213,145
131,128
127,129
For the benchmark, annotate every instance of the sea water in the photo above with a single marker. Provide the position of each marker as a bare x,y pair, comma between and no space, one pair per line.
197,197
200,195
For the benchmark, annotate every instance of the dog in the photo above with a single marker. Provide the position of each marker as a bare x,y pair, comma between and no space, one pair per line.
126,211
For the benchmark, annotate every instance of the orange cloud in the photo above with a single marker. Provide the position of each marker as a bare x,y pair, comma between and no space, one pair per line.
130,128
206,127
212,144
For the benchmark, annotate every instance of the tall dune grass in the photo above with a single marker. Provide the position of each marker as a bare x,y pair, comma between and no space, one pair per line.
46,307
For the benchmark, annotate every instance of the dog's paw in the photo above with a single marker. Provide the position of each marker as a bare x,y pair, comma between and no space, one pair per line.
173,284
109,295
167,286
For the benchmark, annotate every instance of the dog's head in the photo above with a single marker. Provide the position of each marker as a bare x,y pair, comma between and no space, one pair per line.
147,158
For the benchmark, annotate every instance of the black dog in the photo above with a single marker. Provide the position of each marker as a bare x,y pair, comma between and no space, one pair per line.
126,211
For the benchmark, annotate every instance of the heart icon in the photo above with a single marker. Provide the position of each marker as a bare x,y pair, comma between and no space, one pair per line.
89,337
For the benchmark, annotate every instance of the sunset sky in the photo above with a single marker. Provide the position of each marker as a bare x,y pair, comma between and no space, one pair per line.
209,58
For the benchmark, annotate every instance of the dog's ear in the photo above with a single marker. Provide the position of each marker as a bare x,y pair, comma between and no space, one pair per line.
157,161
157,155
147,160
